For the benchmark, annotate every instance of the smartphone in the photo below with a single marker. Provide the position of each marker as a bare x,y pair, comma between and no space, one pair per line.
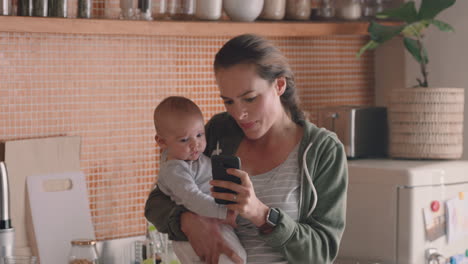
219,164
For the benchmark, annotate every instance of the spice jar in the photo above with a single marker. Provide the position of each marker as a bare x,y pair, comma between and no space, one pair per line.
83,251
372,7
181,9
326,9
298,9
348,9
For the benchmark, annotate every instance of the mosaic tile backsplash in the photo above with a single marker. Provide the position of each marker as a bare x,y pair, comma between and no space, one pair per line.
104,89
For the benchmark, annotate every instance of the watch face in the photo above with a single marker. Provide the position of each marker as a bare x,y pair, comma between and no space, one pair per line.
273,217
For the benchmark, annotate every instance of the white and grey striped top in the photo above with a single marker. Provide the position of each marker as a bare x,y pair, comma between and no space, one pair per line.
277,188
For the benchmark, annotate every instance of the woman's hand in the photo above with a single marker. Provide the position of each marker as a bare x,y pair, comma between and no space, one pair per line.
247,203
208,248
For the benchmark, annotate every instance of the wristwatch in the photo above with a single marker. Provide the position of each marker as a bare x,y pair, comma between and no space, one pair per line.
271,220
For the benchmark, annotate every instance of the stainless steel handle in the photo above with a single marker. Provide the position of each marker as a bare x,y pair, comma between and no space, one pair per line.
434,257
5,197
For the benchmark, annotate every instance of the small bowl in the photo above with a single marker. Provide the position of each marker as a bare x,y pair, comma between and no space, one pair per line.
243,10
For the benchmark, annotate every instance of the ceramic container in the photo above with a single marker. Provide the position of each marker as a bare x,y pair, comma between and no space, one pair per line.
209,9
273,9
243,10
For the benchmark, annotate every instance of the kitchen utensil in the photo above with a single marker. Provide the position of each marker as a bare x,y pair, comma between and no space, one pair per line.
20,260
60,213
7,233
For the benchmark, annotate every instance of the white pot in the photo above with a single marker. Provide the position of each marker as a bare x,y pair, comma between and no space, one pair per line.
209,9
243,10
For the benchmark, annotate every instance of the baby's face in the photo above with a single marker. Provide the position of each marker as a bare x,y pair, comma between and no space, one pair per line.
185,139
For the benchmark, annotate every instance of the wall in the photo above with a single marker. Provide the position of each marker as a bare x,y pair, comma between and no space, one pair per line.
104,89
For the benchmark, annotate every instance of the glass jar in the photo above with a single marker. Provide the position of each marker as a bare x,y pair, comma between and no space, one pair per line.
83,251
159,9
348,9
298,9
372,7
181,9
326,9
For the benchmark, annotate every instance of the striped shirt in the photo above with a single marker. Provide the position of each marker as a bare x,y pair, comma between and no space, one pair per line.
276,188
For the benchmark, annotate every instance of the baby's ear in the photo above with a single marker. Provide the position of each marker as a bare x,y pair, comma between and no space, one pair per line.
161,142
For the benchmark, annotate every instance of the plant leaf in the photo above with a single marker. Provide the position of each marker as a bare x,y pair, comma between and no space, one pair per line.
442,25
406,12
415,29
380,33
431,8
369,46
415,50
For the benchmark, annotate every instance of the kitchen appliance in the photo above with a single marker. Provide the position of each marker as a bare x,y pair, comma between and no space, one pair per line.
7,232
361,129
400,212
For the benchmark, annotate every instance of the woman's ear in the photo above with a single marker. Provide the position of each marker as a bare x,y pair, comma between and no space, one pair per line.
281,85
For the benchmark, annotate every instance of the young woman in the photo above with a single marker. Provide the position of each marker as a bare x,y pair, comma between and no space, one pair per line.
292,198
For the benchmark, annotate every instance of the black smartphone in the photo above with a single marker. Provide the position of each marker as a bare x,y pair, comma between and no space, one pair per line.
219,164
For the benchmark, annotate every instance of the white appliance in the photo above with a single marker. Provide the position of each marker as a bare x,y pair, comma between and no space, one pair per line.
391,201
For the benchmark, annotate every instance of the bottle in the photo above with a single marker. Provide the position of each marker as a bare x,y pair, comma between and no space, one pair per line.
84,8
83,251
5,8
145,9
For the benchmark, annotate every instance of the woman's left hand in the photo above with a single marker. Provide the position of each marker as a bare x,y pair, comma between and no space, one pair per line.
246,202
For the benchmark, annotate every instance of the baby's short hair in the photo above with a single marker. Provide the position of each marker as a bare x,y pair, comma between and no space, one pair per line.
174,106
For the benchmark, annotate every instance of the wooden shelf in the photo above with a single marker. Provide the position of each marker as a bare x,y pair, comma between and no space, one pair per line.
177,28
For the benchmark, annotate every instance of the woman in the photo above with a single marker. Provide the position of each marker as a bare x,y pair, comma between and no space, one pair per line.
294,175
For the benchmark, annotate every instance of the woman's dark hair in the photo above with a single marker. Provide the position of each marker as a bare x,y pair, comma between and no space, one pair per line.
269,62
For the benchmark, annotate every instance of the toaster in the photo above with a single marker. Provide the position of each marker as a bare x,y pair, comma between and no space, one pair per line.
361,129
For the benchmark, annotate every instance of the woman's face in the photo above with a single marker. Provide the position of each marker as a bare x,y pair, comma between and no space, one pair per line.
252,101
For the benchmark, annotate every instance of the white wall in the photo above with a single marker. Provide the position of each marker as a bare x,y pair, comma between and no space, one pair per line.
448,60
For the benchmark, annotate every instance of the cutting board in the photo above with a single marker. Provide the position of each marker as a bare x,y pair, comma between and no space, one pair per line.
60,213
36,156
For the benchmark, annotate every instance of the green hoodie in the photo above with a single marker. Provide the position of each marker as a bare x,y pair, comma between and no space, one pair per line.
315,238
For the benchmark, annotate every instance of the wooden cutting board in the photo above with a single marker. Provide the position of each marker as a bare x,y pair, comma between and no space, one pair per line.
28,157
60,213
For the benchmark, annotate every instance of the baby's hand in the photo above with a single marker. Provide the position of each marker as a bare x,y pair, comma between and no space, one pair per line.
231,218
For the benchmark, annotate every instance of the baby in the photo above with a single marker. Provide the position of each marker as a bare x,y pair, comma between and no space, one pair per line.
185,171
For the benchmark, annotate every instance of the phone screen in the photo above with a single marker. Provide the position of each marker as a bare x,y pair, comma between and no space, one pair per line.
219,164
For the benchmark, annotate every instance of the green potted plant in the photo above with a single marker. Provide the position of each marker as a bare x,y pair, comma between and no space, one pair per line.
424,122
